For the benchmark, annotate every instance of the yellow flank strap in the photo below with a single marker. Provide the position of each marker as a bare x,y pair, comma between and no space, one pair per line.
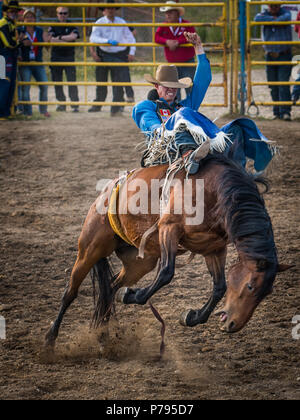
113,213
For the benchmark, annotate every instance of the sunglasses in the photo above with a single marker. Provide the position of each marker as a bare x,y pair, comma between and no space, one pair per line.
63,13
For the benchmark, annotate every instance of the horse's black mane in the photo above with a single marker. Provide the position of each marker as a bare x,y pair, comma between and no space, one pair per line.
242,210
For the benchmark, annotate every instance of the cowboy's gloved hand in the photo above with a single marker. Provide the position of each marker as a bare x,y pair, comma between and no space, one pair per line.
112,42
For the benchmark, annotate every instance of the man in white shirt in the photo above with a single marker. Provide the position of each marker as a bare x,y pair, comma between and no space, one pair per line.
112,35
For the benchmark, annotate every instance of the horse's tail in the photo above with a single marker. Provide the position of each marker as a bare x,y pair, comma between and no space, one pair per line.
102,274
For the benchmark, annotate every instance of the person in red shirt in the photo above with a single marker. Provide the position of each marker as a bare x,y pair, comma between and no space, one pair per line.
172,37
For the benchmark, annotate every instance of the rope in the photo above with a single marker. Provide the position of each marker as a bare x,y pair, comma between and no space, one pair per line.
163,328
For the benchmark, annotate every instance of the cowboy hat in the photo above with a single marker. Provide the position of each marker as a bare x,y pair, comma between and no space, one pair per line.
167,76
12,5
109,3
296,69
172,6
29,12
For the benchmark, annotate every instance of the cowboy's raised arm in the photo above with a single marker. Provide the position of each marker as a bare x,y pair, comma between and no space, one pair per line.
202,76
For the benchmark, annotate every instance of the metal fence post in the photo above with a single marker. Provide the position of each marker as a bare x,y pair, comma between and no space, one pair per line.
242,16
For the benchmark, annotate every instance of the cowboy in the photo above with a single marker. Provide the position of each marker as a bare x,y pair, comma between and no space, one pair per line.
9,44
172,38
180,130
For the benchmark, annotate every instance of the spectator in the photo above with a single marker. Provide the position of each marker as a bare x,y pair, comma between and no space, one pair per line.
296,70
33,53
111,35
67,54
9,50
278,73
172,38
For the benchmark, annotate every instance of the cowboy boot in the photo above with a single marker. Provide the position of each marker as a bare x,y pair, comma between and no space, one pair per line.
192,163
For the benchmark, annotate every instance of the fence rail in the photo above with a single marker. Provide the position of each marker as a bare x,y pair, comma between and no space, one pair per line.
230,48
220,47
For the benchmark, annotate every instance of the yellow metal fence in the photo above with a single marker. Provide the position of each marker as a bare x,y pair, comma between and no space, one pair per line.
221,47
252,42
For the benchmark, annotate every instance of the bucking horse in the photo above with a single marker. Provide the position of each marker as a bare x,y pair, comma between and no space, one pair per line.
234,212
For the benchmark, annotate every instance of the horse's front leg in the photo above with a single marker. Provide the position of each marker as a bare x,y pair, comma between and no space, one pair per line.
216,266
169,235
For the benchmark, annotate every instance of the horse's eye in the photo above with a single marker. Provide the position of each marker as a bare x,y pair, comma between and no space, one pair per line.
250,287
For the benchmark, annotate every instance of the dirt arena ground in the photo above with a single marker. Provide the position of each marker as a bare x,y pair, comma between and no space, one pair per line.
48,174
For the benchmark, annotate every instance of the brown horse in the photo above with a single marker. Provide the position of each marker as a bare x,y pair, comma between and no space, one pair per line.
233,212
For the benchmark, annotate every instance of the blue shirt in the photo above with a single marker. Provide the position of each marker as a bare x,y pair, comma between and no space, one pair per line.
144,113
276,32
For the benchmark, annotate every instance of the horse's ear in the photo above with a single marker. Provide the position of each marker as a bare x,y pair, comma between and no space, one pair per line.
284,267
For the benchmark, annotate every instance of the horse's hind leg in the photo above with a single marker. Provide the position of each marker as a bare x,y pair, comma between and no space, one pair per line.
79,272
96,241
133,269
169,234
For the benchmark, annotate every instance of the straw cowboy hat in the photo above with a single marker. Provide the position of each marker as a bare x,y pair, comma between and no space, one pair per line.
110,5
296,69
167,76
29,12
172,6
11,5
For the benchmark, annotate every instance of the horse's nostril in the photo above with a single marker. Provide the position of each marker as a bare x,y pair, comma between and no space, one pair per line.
231,326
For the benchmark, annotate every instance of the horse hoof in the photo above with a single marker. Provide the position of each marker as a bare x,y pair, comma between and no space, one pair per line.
120,295
183,318
49,344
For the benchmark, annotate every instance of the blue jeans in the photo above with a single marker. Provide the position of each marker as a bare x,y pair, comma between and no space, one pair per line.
39,74
235,150
280,74
186,72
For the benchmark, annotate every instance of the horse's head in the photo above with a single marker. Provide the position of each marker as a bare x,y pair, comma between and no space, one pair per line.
248,283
